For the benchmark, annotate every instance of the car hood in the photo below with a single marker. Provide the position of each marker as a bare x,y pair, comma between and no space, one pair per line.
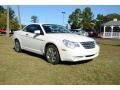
69,36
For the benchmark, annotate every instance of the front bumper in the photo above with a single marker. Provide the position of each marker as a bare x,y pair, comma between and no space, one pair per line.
79,54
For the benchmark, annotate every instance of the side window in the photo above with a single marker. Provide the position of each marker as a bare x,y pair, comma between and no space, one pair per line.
37,27
25,29
32,28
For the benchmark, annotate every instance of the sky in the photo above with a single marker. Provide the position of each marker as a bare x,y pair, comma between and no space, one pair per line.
53,13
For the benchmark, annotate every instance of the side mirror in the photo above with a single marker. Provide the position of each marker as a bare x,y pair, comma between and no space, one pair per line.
37,32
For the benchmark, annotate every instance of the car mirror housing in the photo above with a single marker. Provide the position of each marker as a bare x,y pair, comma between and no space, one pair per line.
37,32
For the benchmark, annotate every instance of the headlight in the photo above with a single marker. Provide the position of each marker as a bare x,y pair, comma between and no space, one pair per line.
71,44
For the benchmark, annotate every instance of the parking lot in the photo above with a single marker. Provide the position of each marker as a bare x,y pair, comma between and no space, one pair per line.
29,68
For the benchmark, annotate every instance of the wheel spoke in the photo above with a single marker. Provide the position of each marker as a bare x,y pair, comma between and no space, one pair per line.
51,54
17,46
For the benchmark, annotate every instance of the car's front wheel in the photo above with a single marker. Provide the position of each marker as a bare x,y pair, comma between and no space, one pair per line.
52,54
17,46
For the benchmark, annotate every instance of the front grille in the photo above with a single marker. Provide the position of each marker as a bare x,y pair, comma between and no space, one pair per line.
88,45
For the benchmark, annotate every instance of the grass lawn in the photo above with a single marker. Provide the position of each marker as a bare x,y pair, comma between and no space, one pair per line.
29,68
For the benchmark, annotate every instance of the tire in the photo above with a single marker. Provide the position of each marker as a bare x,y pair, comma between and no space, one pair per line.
52,54
17,46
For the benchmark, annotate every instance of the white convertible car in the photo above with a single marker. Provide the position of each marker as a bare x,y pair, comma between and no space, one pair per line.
55,42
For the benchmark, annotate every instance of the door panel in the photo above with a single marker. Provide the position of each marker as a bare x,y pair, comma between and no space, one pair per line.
24,39
35,42
31,41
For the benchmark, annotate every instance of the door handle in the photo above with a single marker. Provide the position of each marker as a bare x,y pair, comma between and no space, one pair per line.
26,34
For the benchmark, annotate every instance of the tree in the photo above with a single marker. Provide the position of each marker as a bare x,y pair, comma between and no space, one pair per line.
103,19
3,21
14,24
87,20
75,19
2,9
2,17
99,21
34,19
110,17
13,20
11,13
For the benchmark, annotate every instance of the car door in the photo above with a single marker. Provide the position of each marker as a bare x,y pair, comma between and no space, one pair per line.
24,37
34,42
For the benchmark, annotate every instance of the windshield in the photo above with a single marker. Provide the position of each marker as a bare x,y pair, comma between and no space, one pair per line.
53,28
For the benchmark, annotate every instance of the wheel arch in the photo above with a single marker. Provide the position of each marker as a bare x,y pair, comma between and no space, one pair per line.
51,43
59,56
16,39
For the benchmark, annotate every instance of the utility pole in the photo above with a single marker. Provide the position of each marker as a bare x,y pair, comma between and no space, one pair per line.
20,26
8,27
63,17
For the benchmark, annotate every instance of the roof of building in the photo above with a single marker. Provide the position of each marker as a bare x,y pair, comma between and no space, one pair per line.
112,23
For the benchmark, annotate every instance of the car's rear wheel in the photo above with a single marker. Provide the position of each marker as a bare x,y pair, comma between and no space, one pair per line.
52,54
17,46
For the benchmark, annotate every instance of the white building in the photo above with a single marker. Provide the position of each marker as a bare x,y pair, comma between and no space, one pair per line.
114,29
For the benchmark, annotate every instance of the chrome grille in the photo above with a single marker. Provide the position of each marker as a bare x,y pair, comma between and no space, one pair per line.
88,45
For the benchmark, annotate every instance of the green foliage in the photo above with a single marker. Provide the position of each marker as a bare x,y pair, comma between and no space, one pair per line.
34,19
84,19
11,13
103,19
1,10
87,18
81,19
14,24
75,19
110,17
3,18
2,21
99,20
